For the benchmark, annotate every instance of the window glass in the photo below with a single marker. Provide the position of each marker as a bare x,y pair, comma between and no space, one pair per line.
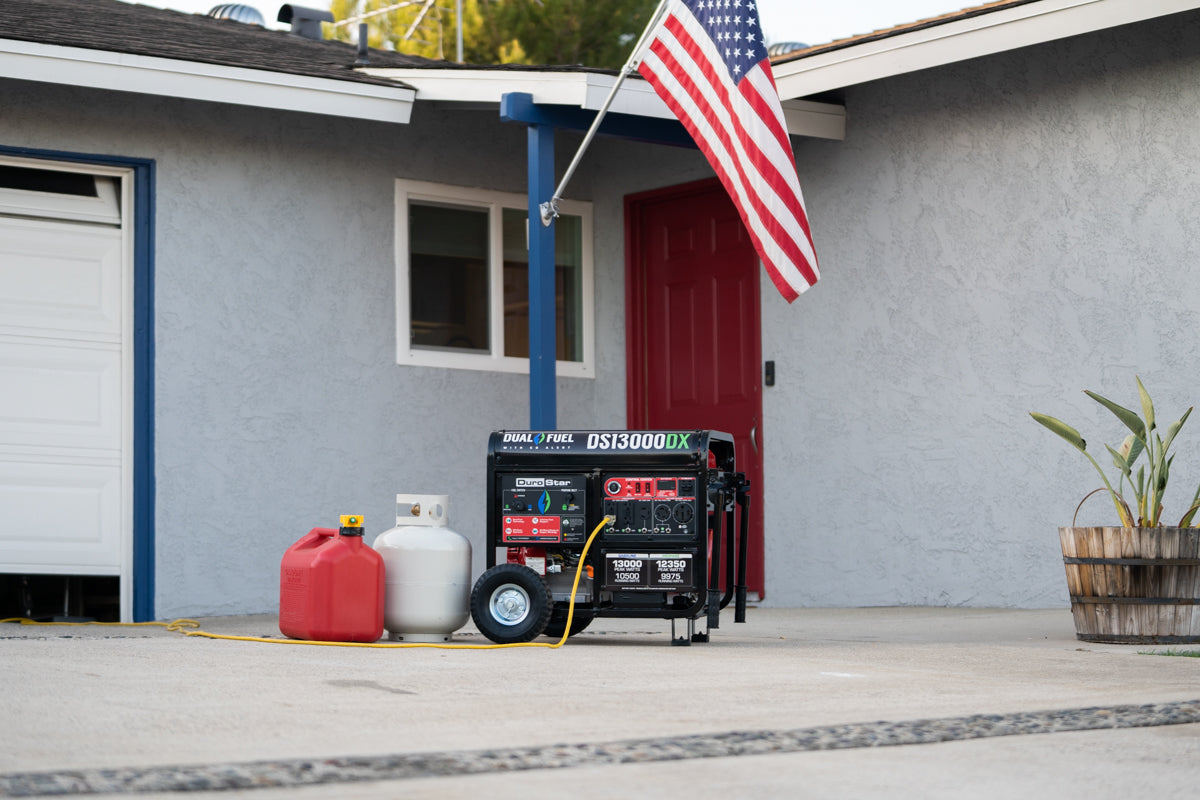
462,280
448,267
47,180
568,286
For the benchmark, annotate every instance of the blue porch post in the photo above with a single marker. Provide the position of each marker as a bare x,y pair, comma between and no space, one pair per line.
541,120
542,346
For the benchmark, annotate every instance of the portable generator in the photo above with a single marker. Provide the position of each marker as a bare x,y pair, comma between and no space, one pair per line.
680,513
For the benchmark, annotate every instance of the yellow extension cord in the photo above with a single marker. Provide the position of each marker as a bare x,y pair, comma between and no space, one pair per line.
182,625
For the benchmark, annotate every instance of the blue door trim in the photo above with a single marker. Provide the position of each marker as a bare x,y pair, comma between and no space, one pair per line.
143,361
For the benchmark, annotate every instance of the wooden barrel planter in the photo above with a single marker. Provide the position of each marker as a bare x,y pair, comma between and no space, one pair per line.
1134,585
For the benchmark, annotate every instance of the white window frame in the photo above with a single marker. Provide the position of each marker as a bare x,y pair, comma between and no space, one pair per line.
493,202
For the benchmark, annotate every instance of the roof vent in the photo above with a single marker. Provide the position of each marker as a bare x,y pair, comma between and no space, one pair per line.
364,57
783,48
238,13
305,22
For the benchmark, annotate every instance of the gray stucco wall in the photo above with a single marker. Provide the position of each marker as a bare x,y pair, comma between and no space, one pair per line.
279,404
995,236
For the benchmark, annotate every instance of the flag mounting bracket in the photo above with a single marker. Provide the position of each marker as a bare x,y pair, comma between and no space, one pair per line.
520,107
549,210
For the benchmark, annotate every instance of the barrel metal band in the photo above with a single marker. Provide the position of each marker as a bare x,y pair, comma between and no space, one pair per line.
1136,601
1135,562
1130,638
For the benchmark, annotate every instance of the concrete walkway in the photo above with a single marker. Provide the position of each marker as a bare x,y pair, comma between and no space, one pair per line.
885,702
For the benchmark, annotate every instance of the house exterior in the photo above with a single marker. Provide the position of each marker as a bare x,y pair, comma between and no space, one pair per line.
274,287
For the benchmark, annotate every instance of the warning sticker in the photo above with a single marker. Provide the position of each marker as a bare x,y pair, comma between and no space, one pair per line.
531,529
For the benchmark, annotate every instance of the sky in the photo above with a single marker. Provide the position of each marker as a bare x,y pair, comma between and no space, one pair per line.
807,21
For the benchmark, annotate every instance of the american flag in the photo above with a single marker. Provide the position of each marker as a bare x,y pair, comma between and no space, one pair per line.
708,62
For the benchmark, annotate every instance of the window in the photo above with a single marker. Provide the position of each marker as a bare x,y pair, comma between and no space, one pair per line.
462,280
30,189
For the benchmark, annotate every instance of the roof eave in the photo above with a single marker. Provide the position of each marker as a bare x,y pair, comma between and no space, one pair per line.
101,69
470,88
960,39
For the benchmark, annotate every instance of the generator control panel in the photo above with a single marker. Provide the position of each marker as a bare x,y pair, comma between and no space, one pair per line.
544,509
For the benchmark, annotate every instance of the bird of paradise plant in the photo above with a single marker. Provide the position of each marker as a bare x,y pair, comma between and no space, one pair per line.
1148,486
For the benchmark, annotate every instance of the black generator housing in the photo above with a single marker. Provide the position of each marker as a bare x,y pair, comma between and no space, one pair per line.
679,524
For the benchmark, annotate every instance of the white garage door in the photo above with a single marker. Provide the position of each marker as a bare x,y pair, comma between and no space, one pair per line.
65,371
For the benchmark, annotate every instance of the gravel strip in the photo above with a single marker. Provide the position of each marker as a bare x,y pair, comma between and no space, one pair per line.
276,774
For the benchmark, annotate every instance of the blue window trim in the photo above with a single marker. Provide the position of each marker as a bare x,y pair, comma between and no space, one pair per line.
143,361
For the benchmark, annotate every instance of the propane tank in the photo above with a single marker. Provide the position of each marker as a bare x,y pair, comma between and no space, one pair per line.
428,570
331,586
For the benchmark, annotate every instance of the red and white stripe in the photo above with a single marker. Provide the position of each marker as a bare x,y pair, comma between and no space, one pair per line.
740,129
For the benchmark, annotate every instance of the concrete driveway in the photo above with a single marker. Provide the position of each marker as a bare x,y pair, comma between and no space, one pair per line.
881,702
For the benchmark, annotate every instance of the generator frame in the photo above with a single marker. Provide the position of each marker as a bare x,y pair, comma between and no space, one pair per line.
681,519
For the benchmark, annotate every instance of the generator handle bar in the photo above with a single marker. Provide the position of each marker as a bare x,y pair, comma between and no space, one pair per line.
714,573
730,560
743,500
740,488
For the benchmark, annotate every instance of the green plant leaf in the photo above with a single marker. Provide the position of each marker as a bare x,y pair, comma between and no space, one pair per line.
1135,449
1187,518
1131,420
1122,509
1140,491
1174,429
1191,512
1119,460
1075,440
1062,429
1147,404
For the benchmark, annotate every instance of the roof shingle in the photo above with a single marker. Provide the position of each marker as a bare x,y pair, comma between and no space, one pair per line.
884,33
142,30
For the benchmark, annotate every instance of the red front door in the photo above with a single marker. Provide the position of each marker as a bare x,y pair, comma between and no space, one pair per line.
694,339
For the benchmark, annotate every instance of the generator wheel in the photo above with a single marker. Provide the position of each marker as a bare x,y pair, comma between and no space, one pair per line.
558,620
510,603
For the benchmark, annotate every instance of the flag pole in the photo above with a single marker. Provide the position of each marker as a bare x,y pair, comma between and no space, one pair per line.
549,209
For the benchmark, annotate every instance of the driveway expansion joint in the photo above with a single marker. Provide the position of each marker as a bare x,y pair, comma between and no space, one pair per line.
307,772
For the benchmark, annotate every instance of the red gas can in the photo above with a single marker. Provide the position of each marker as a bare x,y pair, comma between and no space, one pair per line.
331,586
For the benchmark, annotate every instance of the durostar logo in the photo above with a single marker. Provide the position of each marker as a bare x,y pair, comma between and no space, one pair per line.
526,483
544,502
